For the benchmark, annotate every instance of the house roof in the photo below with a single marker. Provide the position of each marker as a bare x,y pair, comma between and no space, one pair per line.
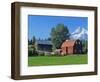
44,42
68,43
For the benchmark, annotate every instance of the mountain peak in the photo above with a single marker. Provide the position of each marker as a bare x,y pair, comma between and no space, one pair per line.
78,30
84,30
79,33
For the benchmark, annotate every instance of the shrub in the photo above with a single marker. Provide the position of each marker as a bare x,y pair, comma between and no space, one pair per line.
30,53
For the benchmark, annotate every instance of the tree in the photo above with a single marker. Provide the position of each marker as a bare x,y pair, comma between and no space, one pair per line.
49,39
85,45
29,42
33,40
58,35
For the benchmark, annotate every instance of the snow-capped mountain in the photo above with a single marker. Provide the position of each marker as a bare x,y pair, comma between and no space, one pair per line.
78,30
79,33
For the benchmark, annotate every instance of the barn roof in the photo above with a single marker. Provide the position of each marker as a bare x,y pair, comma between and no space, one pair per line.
68,43
44,42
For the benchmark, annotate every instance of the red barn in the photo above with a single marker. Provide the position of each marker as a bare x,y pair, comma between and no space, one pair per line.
71,47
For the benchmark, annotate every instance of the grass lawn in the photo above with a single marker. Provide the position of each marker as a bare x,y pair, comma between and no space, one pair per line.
57,60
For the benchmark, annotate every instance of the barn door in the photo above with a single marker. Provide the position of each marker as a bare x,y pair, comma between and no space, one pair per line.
66,50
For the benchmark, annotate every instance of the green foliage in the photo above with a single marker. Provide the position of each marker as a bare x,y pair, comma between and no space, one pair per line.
85,46
59,34
29,42
49,39
32,41
32,51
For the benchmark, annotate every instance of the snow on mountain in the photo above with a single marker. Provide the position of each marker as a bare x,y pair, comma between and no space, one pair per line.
78,30
79,33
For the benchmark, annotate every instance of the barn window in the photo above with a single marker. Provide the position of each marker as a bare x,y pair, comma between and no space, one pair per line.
78,42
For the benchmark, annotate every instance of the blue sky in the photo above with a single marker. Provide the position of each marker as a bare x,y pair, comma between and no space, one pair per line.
40,26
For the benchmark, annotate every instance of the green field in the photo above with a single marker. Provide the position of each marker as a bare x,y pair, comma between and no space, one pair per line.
57,60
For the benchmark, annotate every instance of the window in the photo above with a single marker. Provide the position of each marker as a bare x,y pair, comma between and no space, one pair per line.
76,42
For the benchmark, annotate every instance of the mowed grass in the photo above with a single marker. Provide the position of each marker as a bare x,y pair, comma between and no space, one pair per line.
57,60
